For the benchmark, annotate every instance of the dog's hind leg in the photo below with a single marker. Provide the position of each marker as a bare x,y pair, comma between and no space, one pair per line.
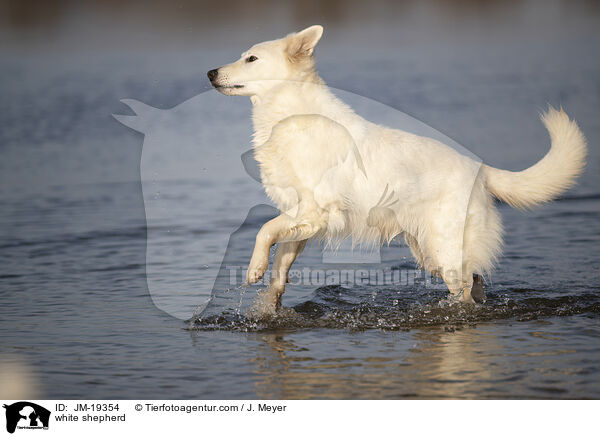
445,252
469,290
478,290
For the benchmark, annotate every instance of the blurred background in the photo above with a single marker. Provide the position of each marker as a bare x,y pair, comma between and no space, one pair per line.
76,319
65,65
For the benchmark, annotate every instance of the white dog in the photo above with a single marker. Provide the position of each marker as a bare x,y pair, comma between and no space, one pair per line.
334,175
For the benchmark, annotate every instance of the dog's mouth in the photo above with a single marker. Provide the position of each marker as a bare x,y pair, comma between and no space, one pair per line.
227,89
217,86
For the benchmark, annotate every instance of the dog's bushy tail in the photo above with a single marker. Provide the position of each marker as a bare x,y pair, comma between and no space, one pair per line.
552,175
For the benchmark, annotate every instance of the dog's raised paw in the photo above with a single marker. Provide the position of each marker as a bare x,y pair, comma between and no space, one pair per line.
255,272
254,275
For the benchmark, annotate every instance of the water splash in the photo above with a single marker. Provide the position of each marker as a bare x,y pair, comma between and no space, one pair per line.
334,307
203,310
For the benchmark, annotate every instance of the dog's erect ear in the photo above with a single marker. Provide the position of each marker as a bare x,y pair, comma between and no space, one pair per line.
303,43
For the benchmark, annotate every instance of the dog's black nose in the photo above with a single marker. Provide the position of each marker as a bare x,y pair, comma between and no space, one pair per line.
212,74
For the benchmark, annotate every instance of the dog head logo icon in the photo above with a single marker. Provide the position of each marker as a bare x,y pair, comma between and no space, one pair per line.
26,415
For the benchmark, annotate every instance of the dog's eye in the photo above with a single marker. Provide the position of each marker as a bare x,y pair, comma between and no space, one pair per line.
251,59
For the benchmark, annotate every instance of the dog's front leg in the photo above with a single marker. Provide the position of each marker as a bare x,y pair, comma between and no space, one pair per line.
269,302
283,228
267,236
286,254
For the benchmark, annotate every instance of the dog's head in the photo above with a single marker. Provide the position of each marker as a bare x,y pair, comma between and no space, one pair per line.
267,64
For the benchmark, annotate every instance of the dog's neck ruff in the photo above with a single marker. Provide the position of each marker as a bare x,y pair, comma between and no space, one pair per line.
307,97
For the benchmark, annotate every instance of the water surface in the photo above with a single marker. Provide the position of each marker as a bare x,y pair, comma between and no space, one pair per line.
76,312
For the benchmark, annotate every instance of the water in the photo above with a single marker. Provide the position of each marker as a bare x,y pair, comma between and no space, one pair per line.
77,314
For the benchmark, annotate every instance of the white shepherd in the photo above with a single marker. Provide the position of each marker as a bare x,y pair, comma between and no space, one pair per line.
334,175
